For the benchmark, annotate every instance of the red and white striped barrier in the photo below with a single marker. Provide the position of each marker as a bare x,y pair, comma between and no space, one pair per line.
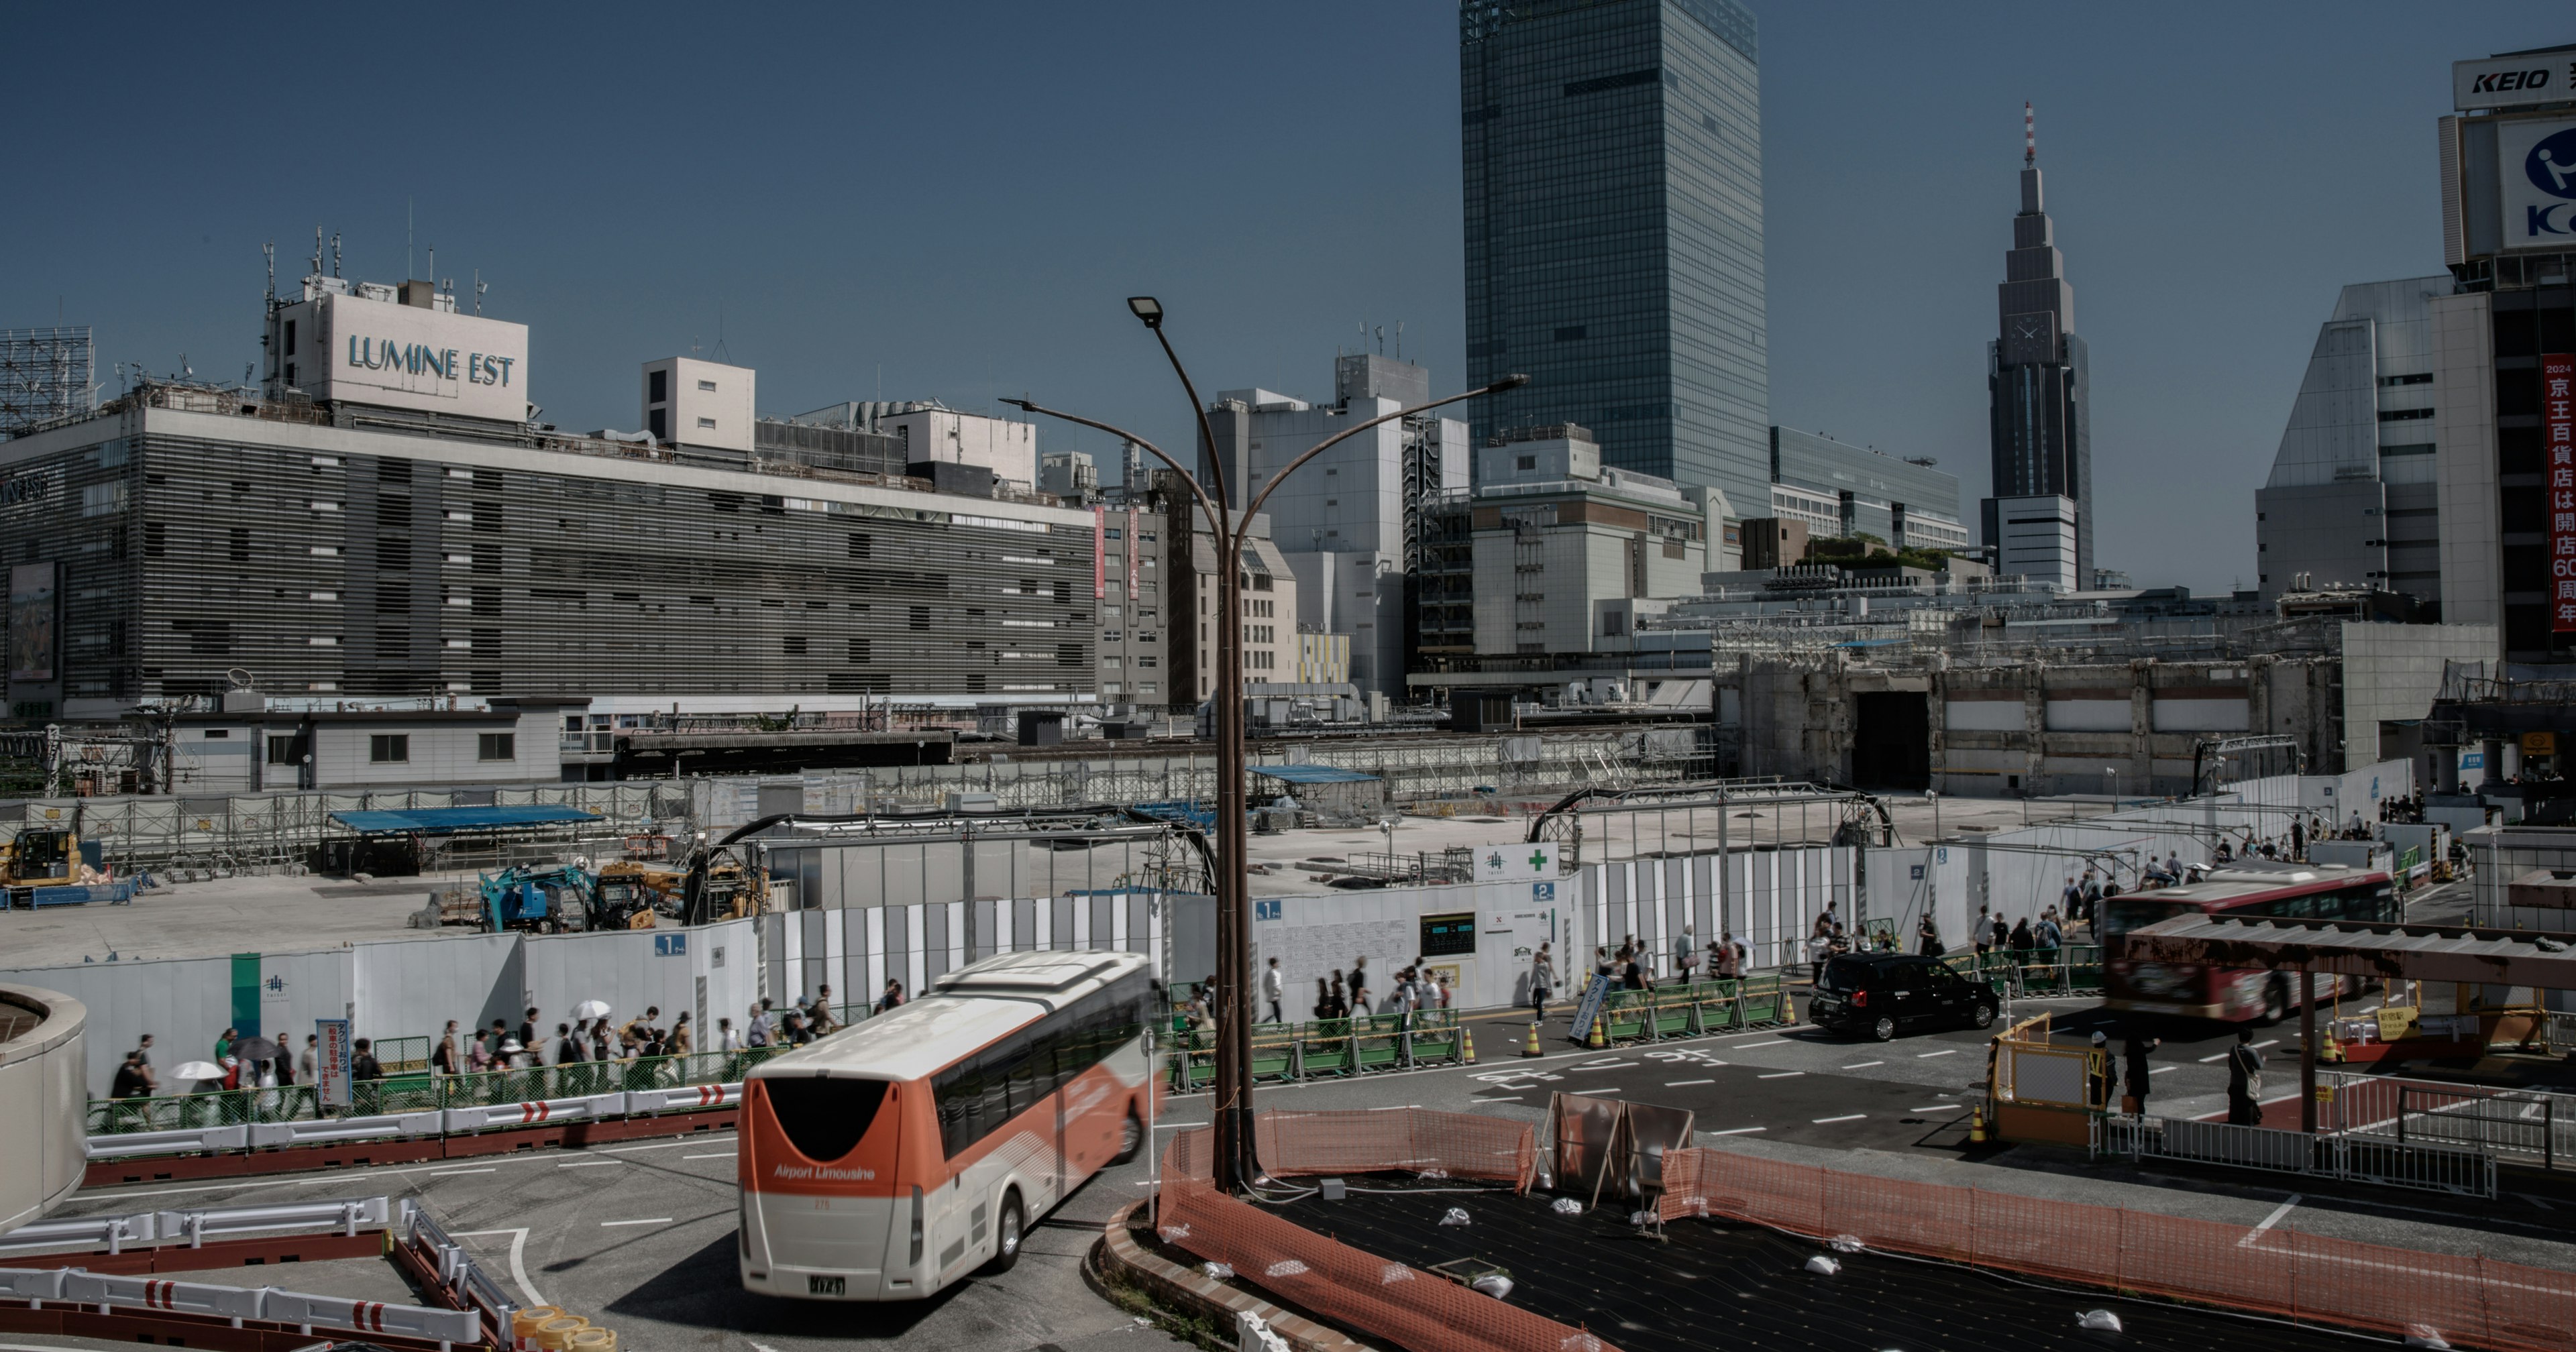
684,1097
109,1292
368,1316
322,1131
537,1112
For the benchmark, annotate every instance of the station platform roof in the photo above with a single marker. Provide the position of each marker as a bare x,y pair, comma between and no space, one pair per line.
439,821
2350,948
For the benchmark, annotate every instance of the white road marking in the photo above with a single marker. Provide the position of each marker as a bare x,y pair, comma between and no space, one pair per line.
2207,1059
1615,1065
1858,1065
1946,1051
1739,1131
1780,1075
1676,1084
2159,1070
1177,1126
2268,1222
589,1164
1498,1098
1935,1108
1847,1117
719,1155
1612,1089
2535,1201
518,1258
442,1173
1775,1042
648,1220
2267,1042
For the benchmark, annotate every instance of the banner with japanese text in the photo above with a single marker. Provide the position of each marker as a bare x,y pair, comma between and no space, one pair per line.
2558,441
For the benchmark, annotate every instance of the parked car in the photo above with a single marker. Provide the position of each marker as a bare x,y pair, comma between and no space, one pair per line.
1882,994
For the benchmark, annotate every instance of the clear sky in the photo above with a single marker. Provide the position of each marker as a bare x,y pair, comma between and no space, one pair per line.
954,200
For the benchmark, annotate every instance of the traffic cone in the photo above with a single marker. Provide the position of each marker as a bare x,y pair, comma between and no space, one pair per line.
1594,1040
1977,1126
1788,1006
1531,1047
2333,1050
1467,1043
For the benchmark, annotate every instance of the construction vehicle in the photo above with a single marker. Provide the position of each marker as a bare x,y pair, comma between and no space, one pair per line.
635,894
42,857
554,900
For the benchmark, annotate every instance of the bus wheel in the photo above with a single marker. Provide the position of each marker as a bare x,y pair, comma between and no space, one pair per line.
1131,1138
2276,1003
1006,1248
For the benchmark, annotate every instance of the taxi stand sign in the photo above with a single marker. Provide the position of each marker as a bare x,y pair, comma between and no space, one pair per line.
1517,862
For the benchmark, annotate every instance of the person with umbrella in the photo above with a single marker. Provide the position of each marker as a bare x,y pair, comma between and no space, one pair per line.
194,1080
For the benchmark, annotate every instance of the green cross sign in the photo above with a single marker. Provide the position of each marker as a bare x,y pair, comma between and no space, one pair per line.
1538,859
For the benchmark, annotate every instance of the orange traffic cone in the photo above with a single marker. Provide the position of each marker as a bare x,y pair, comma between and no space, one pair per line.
1788,1006
1467,1043
1595,1040
1531,1048
1977,1134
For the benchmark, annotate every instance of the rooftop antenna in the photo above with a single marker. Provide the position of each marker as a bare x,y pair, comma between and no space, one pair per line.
480,286
335,253
1399,340
269,251
317,251
1381,340
2029,138
720,354
433,267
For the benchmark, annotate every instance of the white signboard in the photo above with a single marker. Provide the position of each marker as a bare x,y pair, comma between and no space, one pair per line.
331,1062
1518,861
2513,81
2536,169
407,356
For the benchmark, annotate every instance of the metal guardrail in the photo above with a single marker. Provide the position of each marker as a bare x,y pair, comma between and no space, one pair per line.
2352,1159
395,1126
421,1093
2529,1126
195,1227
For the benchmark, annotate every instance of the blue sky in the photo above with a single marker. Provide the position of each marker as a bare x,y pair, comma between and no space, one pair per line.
959,196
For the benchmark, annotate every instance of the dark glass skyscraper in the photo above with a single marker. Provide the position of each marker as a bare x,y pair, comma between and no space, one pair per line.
1613,158
2037,382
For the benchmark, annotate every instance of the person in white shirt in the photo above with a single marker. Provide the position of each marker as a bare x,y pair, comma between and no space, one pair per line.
726,1038
1273,990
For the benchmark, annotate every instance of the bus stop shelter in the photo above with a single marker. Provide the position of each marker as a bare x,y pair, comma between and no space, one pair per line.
2458,953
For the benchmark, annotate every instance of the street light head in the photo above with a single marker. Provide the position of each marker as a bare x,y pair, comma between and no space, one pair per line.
1022,405
1511,382
1148,309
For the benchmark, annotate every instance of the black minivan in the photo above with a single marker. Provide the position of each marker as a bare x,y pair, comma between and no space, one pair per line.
1882,994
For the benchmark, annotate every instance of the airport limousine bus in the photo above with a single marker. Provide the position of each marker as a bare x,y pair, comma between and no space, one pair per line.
2303,891
890,1160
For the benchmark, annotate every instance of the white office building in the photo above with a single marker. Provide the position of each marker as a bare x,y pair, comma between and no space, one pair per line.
1349,523
2353,495
2037,540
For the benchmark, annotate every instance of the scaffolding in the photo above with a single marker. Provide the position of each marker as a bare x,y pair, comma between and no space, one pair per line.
46,376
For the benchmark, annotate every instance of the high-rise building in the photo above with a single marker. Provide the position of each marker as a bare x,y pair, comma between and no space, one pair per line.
2352,498
2504,353
1837,489
2037,382
1613,175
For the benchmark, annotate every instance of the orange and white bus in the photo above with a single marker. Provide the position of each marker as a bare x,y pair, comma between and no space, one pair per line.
891,1159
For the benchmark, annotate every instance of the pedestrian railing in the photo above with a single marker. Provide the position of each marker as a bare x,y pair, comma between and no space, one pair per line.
421,1093
2526,1126
2353,1159
1322,1047
1696,1008
2070,969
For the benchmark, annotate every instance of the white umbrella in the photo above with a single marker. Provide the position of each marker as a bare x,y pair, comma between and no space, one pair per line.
197,1070
590,1009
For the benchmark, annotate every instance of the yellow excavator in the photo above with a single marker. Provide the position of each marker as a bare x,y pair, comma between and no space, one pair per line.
41,857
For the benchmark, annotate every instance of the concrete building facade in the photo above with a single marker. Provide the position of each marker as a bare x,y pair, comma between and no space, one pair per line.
1906,503
1565,545
2353,497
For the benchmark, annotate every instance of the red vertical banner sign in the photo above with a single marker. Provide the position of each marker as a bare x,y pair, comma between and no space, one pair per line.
2558,438
1099,552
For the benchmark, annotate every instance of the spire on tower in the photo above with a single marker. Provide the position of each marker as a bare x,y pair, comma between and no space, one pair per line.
2029,138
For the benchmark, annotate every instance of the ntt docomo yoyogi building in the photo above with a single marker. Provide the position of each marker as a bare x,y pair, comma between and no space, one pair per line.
382,516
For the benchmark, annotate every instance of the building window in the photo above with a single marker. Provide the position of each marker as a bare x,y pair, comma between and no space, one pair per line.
707,424
389,748
707,386
496,746
281,750
657,388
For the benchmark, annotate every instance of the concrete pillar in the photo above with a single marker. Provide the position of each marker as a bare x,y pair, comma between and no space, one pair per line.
2034,725
2142,725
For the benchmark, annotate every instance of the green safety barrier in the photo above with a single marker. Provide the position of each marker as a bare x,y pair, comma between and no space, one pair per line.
1299,1051
421,1093
1695,1010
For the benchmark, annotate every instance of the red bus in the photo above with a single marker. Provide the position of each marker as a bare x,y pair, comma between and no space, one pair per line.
2303,891
890,1160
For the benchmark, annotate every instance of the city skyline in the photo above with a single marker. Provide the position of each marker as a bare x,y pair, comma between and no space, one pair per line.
984,251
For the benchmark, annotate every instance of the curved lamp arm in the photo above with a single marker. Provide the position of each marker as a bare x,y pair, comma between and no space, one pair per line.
1511,382
1216,520
1207,435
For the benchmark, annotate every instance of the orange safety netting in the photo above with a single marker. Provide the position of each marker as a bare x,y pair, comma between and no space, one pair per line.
2282,1272
1415,1140
1417,1310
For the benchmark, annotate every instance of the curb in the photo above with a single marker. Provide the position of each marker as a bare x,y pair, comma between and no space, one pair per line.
1194,1289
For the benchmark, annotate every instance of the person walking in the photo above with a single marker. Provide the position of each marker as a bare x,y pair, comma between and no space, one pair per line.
1336,1005
529,1032
568,1046
2244,1081
1728,964
1359,988
1542,981
1928,936
1981,933
308,1061
362,1063
1686,955
442,1058
1274,990
2133,1051
892,998
224,1044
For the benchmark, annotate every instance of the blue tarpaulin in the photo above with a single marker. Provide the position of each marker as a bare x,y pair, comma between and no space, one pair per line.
443,820
1311,774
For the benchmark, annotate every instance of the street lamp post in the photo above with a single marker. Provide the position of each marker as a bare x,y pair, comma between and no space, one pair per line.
2114,772
1236,1163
